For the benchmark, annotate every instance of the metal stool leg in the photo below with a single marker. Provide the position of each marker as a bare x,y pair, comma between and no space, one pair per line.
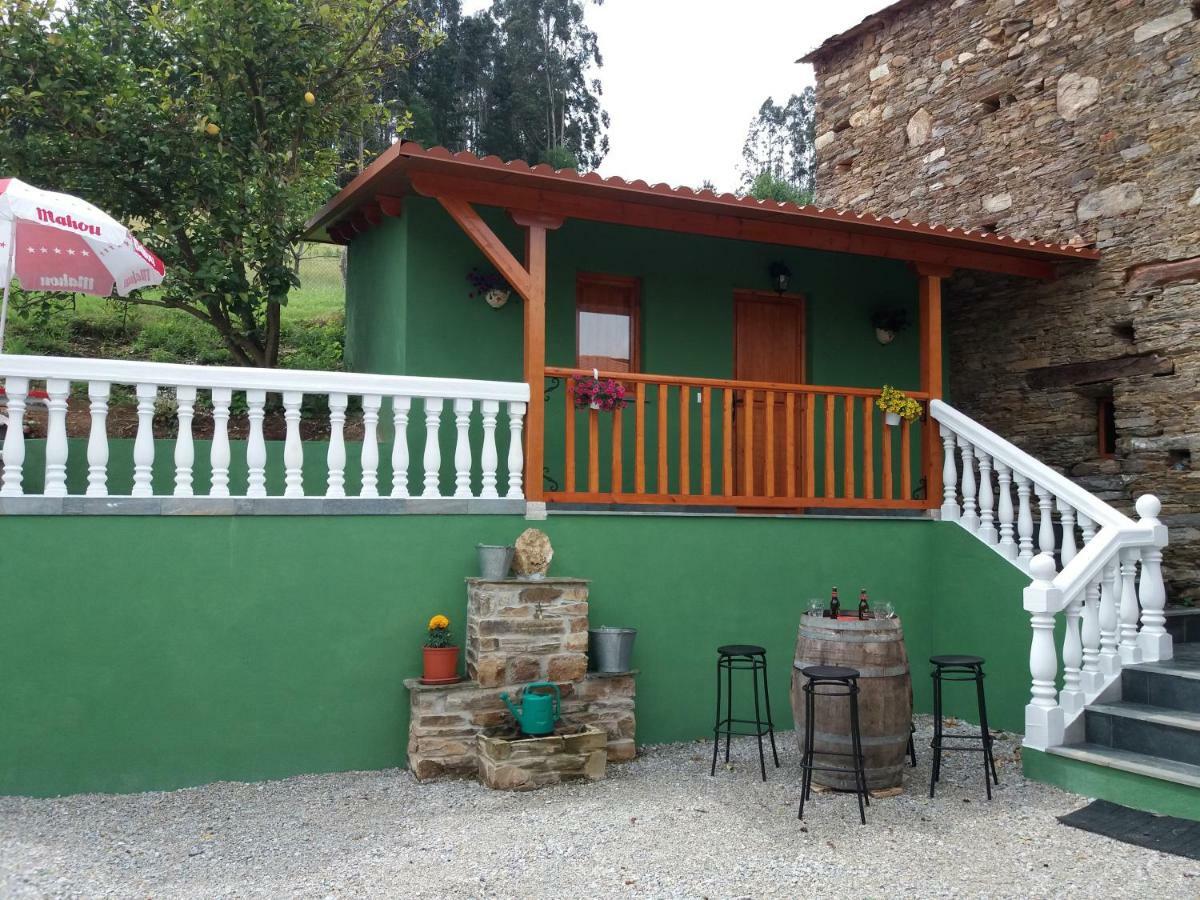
860,775
728,705
762,760
912,747
770,721
936,743
807,760
717,724
989,763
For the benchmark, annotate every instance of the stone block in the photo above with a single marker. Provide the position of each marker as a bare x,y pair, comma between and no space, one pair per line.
566,667
527,763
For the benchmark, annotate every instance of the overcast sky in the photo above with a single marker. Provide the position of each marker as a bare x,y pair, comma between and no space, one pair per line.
683,78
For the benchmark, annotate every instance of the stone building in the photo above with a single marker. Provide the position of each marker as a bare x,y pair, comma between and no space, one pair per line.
1063,120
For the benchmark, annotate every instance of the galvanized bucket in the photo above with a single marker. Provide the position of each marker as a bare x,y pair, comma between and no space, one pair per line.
611,649
494,561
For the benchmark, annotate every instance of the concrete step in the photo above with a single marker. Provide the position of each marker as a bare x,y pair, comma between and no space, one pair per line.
1136,763
1174,684
1141,728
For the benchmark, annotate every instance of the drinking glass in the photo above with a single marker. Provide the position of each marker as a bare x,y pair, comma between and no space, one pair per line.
886,610
816,607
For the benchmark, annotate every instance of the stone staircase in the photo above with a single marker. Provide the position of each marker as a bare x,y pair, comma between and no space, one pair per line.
1153,730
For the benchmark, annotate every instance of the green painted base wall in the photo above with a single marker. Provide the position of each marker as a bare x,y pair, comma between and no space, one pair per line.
149,653
1125,788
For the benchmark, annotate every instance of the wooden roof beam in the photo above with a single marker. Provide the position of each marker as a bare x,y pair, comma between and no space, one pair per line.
558,204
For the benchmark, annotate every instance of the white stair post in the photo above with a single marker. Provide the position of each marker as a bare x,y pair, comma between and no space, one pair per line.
185,451
256,445
1090,680
370,446
987,523
143,444
1131,654
516,452
335,458
950,510
1071,695
1007,546
1045,519
14,438
1155,643
433,451
97,447
1066,516
400,407
219,452
1024,521
56,438
1044,718
489,459
462,447
293,451
970,511
1110,593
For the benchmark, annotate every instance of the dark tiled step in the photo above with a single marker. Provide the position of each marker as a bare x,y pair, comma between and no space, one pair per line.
1139,728
1183,624
1135,763
1172,685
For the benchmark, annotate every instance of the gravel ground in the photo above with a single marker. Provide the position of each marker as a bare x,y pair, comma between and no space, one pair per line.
657,827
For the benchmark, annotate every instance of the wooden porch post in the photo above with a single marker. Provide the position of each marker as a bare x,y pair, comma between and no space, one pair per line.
929,286
535,359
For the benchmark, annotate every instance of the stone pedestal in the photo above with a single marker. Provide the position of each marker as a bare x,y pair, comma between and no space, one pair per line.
522,764
523,631
518,632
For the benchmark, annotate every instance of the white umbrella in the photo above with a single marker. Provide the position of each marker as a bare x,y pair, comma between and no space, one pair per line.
56,242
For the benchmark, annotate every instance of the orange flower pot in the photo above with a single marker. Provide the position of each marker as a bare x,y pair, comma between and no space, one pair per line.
441,665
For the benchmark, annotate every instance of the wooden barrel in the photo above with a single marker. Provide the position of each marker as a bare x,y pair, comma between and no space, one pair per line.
875,647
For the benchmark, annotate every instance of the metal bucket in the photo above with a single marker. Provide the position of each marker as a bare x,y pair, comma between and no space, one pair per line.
611,649
494,561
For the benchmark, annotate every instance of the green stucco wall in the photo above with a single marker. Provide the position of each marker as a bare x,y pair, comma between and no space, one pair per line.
408,312
142,653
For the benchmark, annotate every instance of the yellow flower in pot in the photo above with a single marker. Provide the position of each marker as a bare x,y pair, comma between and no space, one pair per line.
440,653
897,405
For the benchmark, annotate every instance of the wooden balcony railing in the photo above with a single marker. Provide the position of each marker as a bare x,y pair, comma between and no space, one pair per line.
711,442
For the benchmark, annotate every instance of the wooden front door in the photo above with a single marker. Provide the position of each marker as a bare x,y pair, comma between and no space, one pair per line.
768,346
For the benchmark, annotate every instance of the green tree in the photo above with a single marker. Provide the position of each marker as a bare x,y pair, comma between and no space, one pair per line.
515,80
214,127
778,155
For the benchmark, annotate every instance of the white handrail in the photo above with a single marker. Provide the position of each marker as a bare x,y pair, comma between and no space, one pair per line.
120,371
1020,461
475,458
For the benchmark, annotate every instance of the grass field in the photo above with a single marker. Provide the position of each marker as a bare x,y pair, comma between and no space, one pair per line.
313,331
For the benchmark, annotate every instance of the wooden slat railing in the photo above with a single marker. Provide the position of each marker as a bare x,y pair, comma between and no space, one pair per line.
727,443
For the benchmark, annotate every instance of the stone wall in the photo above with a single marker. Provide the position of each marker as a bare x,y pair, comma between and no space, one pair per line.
517,632
1065,120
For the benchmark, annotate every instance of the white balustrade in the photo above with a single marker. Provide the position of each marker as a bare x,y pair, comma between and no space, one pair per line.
199,389
1097,588
185,452
1004,512
370,445
987,523
970,513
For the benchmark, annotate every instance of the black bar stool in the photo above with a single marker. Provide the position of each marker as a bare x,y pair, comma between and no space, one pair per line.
746,657
837,682
960,668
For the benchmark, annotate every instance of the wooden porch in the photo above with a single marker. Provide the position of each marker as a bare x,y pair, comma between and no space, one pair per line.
746,442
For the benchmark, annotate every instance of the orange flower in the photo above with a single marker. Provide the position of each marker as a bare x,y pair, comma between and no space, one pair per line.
439,621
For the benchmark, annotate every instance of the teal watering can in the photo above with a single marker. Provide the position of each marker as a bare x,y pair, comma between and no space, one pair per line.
538,711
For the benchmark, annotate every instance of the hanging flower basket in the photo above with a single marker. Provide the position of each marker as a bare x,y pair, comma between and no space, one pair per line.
605,394
897,405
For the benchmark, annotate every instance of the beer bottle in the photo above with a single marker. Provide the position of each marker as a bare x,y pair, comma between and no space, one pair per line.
834,605
863,606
